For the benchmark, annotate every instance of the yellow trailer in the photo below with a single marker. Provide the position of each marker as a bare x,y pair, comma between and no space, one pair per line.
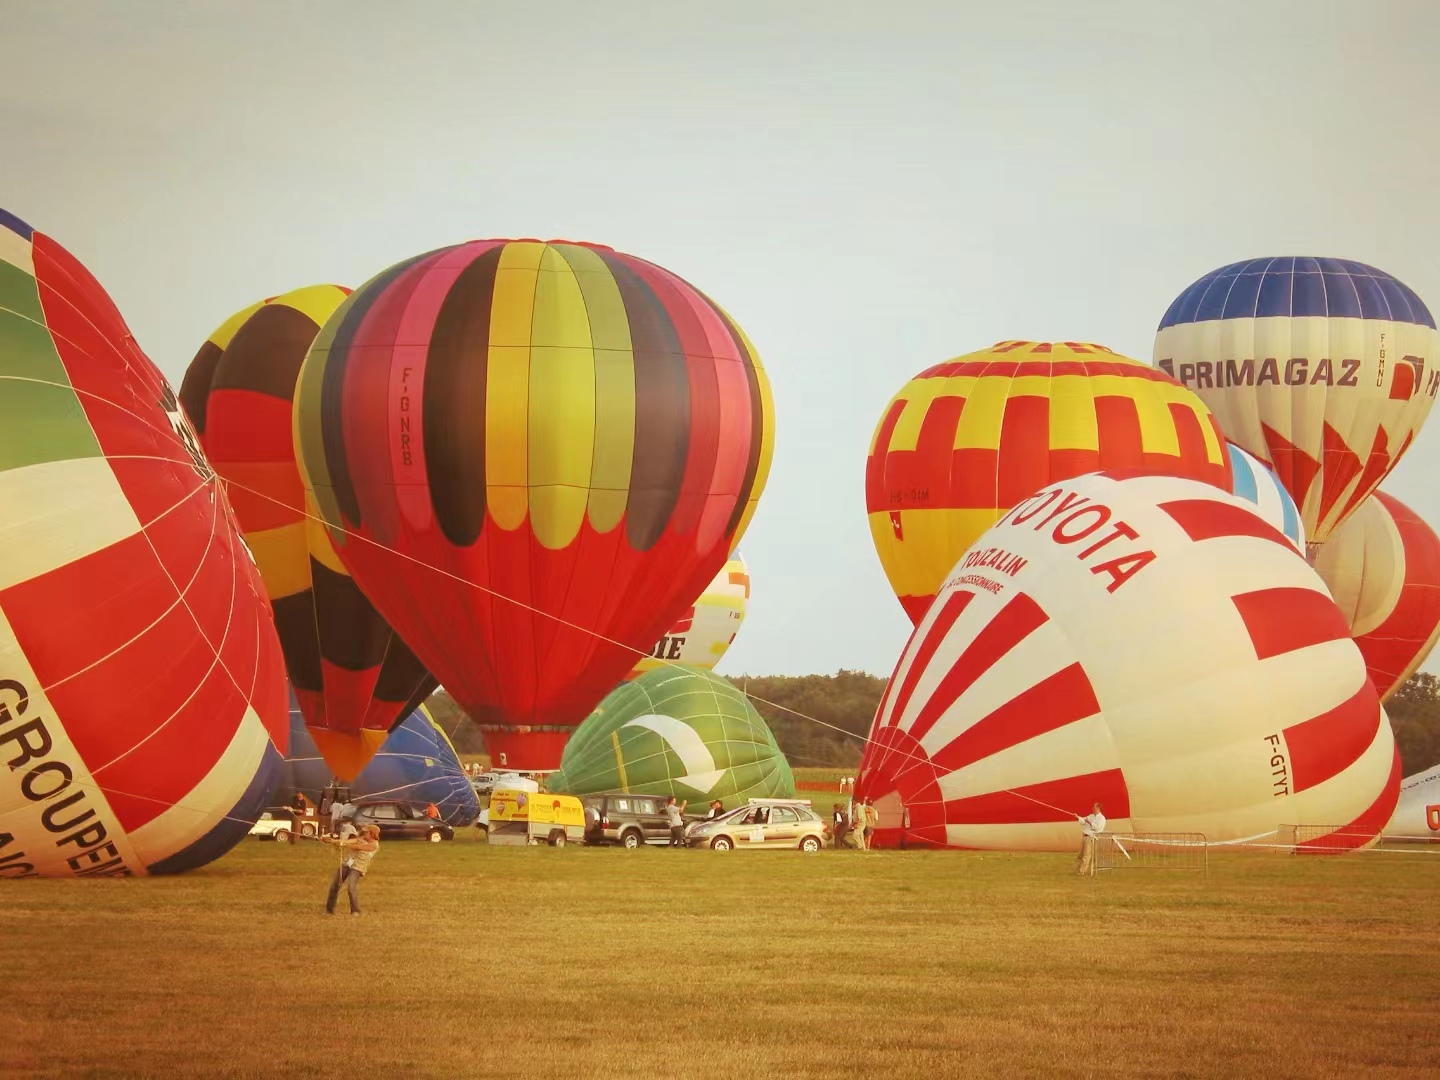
528,817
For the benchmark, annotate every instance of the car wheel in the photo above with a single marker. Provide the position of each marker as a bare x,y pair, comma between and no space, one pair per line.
557,839
307,830
632,840
282,836
436,836
810,843
721,843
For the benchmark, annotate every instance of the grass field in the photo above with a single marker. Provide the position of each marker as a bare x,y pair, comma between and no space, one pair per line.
472,960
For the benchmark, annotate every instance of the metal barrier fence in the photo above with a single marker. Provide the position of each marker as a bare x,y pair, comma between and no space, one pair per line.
1150,851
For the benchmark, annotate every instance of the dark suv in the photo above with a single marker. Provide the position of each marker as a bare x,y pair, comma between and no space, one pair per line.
401,821
628,820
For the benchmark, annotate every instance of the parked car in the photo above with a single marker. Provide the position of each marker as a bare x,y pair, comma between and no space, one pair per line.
624,819
762,823
401,821
484,783
274,825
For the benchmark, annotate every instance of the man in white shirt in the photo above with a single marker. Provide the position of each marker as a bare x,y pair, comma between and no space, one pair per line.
677,822
1091,825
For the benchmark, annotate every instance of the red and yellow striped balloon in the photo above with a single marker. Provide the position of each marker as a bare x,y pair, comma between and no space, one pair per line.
966,440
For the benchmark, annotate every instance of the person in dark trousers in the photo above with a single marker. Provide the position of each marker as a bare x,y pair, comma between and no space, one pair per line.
839,825
677,823
353,867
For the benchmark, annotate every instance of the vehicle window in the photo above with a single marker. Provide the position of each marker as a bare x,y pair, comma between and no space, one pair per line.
782,815
622,805
645,806
383,811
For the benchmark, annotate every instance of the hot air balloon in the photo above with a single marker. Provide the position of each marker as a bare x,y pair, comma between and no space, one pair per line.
354,678
532,457
706,630
1323,368
677,731
1383,568
1417,813
142,691
1256,483
1147,642
966,440
417,763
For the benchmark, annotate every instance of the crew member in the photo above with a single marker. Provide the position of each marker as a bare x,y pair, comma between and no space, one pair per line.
872,820
1091,826
432,811
353,867
677,823
716,809
839,825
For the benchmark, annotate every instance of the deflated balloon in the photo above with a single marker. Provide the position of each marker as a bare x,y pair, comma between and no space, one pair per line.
675,731
353,676
1150,643
142,690
555,445
1323,368
708,628
416,763
1383,568
966,440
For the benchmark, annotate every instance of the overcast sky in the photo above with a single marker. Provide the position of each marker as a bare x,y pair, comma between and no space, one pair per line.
869,188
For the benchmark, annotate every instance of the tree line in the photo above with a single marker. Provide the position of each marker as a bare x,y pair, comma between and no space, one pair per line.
844,705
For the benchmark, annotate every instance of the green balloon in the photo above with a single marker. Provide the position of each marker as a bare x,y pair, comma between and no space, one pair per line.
675,731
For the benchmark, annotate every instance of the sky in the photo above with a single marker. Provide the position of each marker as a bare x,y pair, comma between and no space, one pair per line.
867,188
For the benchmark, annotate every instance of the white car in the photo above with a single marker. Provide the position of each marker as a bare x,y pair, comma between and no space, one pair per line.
273,826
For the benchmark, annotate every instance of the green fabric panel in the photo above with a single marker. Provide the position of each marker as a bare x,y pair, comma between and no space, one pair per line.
40,420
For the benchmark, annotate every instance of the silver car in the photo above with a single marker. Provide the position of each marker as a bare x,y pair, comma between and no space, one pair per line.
762,823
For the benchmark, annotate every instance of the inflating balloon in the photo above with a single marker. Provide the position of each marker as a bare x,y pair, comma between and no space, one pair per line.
1323,368
708,628
1417,813
142,690
966,440
417,764
1150,643
676,731
1256,483
354,678
555,445
1383,568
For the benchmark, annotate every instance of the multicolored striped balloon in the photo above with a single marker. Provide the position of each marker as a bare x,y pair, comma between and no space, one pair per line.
1383,568
966,440
707,630
1150,643
142,689
352,675
533,457
1322,368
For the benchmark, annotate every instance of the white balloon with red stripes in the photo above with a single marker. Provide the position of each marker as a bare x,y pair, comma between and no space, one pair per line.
1149,643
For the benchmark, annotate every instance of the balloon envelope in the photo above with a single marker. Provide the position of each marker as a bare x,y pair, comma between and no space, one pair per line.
1382,566
353,676
1322,368
966,440
141,684
1417,813
1150,643
555,445
1256,483
676,731
706,631
417,764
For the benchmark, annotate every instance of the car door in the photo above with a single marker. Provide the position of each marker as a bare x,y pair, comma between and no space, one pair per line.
384,815
752,828
784,827
652,819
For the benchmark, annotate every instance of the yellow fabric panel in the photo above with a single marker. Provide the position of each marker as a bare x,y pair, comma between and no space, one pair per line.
283,558
767,439
980,422
507,388
318,540
917,565
1157,426
315,302
917,395
347,752
225,332
562,405
1072,414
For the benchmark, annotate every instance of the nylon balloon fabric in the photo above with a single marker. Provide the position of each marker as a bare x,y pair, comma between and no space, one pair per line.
707,629
966,440
676,731
1256,483
354,677
1383,568
1150,643
142,690
1322,368
555,445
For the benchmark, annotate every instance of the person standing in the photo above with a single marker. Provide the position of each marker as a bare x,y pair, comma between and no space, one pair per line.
857,824
432,812
872,821
677,822
716,809
839,825
1091,826
353,867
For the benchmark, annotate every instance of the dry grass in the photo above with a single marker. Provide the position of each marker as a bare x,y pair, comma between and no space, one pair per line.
473,960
